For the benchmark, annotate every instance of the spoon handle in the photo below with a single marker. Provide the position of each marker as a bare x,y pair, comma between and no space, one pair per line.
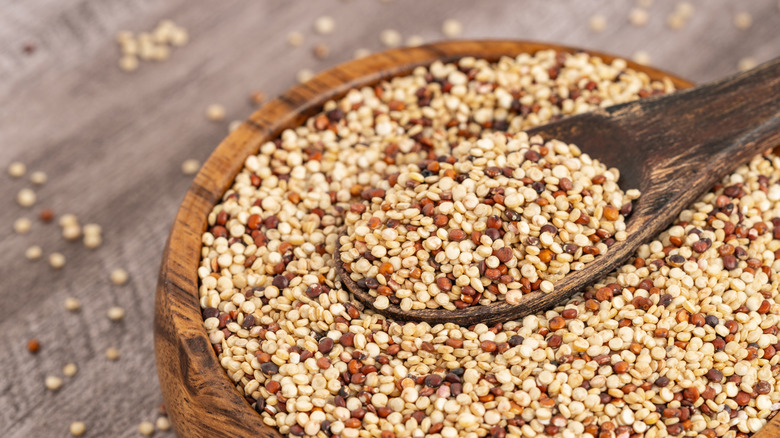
711,128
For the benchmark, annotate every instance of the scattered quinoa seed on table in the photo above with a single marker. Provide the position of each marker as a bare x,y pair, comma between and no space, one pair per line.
146,428
451,28
390,38
361,53
22,225
295,39
38,178
116,313
641,57
597,23
324,25
304,75
56,260
684,9
746,63
33,253
190,166
17,169
743,20
68,219
53,383
26,197
321,51
72,304
69,370
46,215
33,346
71,232
149,46
112,353
162,423
215,112
638,17
119,276
257,98
414,41
77,428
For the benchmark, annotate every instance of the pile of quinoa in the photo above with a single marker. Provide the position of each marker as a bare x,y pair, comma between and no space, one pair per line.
500,217
679,341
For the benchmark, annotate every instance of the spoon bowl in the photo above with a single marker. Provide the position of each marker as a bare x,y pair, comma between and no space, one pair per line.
672,148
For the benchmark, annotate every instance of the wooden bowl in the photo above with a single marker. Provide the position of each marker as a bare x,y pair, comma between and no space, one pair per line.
200,398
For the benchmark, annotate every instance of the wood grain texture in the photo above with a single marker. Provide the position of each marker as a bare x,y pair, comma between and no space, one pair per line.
112,144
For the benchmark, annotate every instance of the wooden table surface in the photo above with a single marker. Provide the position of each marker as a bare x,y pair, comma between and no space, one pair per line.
112,145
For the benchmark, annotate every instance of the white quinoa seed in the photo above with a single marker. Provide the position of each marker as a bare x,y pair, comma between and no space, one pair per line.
747,63
451,28
146,428
179,37
56,260
112,354
17,169
414,41
123,36
53,383
597,23
304,75
38,178
77,428
361,53
234,125
68,219
162,423
190,166
26,197
215,112
119,276
295,39
684,9
116,313
72,304
638,17
675,21
641,57
743,20
22,225
70,370
92,229
33,253
71,232
324,25
92,241
128,63
390,38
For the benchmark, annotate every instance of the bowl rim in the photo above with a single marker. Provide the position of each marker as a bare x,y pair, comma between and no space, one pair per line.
200,397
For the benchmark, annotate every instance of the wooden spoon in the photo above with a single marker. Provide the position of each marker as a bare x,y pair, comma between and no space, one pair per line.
672,148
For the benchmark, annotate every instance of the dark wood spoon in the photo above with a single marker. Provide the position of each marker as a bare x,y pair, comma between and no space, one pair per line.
672,148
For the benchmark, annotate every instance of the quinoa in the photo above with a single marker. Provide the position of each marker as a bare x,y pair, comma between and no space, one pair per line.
681,340
482,224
